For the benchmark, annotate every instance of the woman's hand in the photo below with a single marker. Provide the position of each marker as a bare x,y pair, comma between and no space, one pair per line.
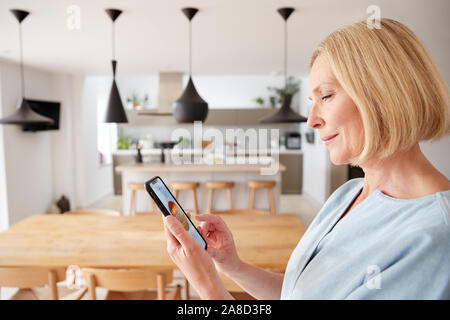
220,241
193,261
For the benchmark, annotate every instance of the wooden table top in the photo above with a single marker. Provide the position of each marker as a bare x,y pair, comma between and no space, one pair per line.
137,241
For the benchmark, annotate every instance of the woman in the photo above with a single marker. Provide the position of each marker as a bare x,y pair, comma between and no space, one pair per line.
376,94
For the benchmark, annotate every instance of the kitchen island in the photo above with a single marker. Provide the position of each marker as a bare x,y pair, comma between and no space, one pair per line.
238,173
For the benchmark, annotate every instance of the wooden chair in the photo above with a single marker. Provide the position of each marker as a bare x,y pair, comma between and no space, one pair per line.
94,212
177,186
217,185
28,279
132,284
134,187
252,185
261,184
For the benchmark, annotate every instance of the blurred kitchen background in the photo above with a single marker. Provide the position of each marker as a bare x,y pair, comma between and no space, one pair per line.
237,66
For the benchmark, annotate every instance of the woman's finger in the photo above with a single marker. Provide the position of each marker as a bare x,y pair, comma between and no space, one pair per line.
176,228
172,242
205,228
212,219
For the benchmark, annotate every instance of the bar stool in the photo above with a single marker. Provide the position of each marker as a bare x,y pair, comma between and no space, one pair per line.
134,187
261,184
177,186
216,185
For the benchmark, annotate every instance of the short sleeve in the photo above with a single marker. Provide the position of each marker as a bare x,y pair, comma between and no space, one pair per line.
414,266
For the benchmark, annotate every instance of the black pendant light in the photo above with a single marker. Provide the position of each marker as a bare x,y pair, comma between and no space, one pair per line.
190,106
285,114
24,115
115,113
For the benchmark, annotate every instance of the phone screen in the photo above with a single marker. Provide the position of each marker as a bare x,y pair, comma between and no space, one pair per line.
169,205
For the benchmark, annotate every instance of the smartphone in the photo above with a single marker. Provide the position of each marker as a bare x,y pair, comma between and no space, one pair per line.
168,205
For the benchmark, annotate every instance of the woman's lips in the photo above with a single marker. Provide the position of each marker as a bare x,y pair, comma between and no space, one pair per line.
328,139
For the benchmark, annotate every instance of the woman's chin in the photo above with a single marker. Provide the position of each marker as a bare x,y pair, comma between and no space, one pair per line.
338,160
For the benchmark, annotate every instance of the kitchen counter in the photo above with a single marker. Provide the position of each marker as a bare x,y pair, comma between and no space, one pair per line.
238,173
171,167
157,151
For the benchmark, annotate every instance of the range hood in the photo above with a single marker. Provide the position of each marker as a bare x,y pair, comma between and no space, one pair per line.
170,88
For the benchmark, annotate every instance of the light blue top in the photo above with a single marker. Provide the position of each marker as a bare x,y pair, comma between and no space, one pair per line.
384,248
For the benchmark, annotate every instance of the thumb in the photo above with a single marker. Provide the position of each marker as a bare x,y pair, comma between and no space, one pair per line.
177,230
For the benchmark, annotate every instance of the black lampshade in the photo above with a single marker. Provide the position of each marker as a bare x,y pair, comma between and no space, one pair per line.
190,106
24,114
19,14
115,112
285,114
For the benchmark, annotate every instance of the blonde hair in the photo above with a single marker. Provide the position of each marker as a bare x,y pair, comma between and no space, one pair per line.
394,82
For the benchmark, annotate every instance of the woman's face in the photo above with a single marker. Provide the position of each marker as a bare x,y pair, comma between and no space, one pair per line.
334,114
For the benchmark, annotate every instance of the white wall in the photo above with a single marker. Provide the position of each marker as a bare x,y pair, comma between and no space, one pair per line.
140,85
4,218
63,174
38,168
220,91
439,154
27,156
235,91
93,180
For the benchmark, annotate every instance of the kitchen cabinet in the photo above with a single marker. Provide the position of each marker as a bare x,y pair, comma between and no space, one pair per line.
118,160
292,178
238,173
216,117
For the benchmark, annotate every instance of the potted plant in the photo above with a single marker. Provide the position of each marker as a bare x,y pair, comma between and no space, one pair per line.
281,95
273,101
259,100
122,144
285,94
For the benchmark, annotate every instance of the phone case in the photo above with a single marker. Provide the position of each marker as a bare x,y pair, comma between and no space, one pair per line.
175,208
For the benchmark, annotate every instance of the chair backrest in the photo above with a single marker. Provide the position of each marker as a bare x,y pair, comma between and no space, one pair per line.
95,212
30,277
136,186
127,280
184,185
219,184
258,184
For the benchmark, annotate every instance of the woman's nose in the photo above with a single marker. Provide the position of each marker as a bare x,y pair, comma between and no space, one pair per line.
314,120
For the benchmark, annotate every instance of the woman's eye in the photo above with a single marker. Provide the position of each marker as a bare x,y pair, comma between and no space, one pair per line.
326,97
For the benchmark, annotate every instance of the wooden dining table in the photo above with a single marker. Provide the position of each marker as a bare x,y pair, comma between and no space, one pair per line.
137,241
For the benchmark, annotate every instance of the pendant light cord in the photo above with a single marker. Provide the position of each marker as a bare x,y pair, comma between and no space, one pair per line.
22,75
285,54
190,48
113,42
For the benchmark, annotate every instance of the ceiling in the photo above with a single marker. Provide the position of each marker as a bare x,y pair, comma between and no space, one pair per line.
229,36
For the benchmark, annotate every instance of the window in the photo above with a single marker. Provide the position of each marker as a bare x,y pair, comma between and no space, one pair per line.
106,134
